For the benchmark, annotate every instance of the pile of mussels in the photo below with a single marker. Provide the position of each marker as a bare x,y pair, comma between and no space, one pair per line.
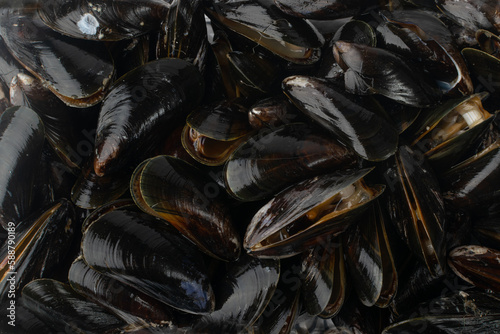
250,166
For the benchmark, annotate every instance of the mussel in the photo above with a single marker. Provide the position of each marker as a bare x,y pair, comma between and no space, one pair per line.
299,216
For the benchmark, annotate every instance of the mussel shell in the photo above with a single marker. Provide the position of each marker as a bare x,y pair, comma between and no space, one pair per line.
473,183
467,311
39,244
376,71
140,107
242,295
161,262
172,189
116,297
272,159
77,71
472,14
184,33
416,207
272,112
340,287
261,21
291,204
62,128
317,276
61,308
9,67
477,265
90,191
370,261
103,20
320,10
356,31
106,208
21,140
221,121
371,136
486,68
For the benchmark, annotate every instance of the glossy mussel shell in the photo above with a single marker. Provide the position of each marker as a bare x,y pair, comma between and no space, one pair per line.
172,189
484,66
438,137
261,21
57,305
477,265
21,140
36,247
369,135
299,215
140,250
103,20
77,71
141,107
416,207
212,133
271,160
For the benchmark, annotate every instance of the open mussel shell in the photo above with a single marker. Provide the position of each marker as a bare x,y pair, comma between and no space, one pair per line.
451,129
61,308
161,263
242,294
477,265
370,261
416,207
172,189
473,183
261,21
103,20
77,71
38,246
372,70
299,216
371,136
467,311
213,132
62,128
140,107
21,141
124,300
274,158
484,66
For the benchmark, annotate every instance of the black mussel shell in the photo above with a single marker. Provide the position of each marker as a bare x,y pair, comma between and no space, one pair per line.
356,31
320,10
161,263
468,311
36,247
376,71
477,265
485,67
63,128
140,107
103,20
273,158
371,136
184,33
488,42
173,190
57,305
213,132
416,207
77,71
473,183
21,141
272,112
124,300
299,216
261,21
370,261
242,294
